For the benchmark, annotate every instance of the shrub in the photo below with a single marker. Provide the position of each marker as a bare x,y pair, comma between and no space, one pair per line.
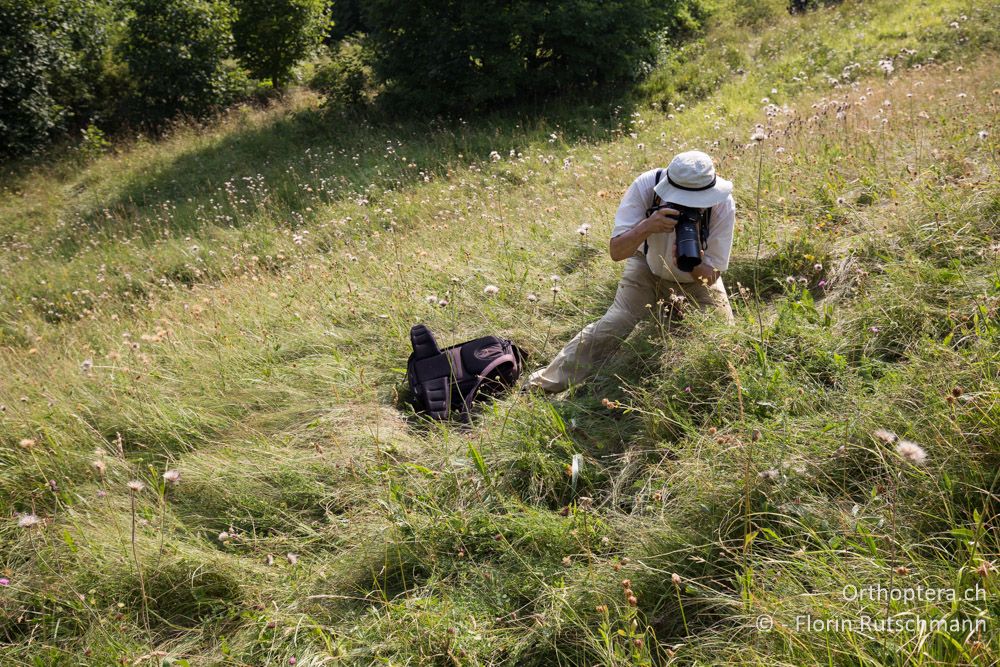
470,55
175,50
347,78
273,35
52,68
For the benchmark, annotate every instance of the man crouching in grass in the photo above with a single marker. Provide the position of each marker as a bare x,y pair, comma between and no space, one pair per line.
644,236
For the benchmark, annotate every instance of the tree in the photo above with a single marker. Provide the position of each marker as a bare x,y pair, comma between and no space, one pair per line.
469,54
273,35
176,51
52,68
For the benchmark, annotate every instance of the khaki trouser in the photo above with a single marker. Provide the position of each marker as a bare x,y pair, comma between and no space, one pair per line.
640,292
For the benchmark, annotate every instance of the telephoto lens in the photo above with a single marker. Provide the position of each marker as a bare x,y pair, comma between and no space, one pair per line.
687,234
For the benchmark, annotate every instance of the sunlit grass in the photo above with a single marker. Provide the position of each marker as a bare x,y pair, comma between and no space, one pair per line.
258,349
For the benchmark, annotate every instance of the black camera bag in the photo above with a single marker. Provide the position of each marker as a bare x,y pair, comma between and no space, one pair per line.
444,381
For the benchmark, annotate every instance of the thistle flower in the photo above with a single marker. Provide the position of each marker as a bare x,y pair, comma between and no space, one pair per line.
223,536
292,558
172,476
100,467
87,365
888,437
583,229
28,443
769,475
758,134
135,486
28,521
532,297
911,451
676,578
491,290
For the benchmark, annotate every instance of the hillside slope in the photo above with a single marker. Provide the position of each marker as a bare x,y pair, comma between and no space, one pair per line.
233,304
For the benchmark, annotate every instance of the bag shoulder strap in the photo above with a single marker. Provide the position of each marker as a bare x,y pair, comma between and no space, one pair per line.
656,202
466,406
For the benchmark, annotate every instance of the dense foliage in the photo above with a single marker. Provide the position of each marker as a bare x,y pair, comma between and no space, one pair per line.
52,57
469,54
176,51
273,35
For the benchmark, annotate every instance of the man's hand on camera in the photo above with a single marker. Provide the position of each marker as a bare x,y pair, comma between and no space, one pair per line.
705,273
661,221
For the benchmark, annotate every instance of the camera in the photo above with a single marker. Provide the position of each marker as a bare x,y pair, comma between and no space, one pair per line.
686,232
691,238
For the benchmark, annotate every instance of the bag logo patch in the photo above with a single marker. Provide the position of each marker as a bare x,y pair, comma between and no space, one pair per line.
488,352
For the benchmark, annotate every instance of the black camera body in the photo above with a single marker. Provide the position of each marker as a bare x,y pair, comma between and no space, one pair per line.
691,233
691,226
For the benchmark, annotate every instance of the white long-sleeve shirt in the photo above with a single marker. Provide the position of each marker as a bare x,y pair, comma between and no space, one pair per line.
660,257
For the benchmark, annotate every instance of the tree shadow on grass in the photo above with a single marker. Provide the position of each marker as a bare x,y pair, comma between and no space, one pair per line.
312,157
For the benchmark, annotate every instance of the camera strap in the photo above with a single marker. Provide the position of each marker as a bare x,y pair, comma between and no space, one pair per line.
649,211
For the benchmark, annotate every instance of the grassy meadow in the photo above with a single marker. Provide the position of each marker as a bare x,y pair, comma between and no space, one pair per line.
206,452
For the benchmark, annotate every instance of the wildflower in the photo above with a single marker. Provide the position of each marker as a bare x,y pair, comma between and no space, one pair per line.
886,66
601,609
28,443
841,201
4,581
292,558
911,451
532,297
99,467
292,660
223,536
172,476
87,365
954,25
585,502
769,475
567,561
28,521
442,303
633,600
888,437
961,96
491,290
135,486
556,289
758,134
983,134
902,570
676,578
985,568
817,267
431,299
495,157
583,229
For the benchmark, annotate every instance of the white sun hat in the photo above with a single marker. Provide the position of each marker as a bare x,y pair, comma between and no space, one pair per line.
690,180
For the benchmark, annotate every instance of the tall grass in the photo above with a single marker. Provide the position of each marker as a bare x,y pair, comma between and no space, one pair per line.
253,339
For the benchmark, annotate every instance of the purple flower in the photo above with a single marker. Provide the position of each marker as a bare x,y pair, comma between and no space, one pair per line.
822,283
4,581
687,390
874,329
